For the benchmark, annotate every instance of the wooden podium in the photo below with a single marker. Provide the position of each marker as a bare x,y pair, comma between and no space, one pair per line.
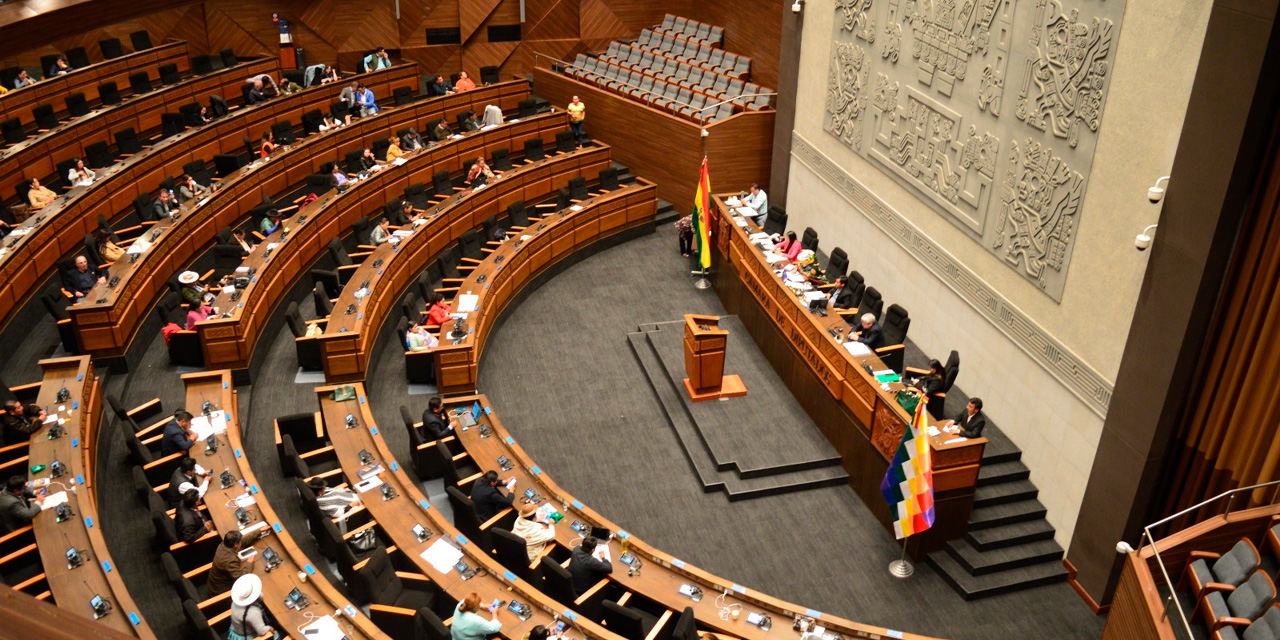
704,345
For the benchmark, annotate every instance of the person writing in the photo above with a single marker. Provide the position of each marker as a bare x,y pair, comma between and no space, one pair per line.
464,83
970,422
537,532
80,175
758,201
39,196
869,332
931,382
80,280
248,613
178,434
438,313
589,564
381,233
488,498
577,116
18,505
469,625
417,338
789,247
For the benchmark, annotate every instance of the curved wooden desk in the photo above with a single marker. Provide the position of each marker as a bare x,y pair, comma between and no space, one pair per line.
349,338
229,341
109,318
502,274
215,387
59,229
857,414
397,517
79,414
18,103
38,156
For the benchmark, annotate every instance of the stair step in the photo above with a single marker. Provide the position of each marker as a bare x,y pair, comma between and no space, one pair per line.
1009,535
1007,513
983,561
1007,471
1004,492
971,587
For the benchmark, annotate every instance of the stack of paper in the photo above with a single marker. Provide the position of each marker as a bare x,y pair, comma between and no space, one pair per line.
442,556
372,482
857,348
324,628
403,233
774,258
746,212
810,296
52,500
468,302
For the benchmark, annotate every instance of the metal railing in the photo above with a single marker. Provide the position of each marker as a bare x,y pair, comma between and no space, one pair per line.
1149,540
701,116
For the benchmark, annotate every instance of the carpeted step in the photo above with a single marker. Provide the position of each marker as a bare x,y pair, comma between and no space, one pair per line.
1004,492
1008,535
1008,471
981,562
971,587
999,447
1007,513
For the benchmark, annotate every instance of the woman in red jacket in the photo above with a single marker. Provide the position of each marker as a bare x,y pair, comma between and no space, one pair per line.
438,314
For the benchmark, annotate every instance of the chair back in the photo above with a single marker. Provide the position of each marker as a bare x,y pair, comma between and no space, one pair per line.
517,215
895,324
837,264
578,188
775,220
78,58
201,65
111,48
169,74
141,40
428,626
872,302
565,142
501,160
324,307
556,580
533,149
489,75
809,240
441,183
139,82
623,621
228,58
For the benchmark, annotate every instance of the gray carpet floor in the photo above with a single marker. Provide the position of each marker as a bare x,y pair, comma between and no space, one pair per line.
562,377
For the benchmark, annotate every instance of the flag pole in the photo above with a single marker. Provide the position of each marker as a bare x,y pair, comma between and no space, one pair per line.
902,568
702,282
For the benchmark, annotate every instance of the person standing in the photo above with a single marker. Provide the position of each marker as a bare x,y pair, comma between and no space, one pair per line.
684,227
577,115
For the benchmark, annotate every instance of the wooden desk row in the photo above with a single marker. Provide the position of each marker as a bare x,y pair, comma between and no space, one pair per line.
397,517
18,103
79,413
215,387
38,156
661,575
349,338
109,318
228,342
862,419
503,273
59,229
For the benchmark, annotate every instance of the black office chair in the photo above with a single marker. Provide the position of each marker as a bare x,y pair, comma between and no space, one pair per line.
141,40
608,179
58,310
471,245
190,113
98,155
218,106
775,221
197,624
442,185
517,216
44,117
225,164
353,161
501,160
894,325
382,584
686,627
127,142
139,83
311,121
464,510
556,581
578,189
169,74
228,58
201,65
533,150
809,240
628,622
489,75
46,62
323,303
109,93
565,142
111,48
837,264
527,108
13,131
402,95
77,105
283,132
339,110
872,302
171,124
78,58
512,551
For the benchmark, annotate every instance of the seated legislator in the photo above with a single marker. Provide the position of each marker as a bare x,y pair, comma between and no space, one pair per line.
268,145
80,279
339,178
393,149
758,200
367,160
249,617
492,115
488,498
330,123
441,132
439,312
256,93
39,196
164,206
411,141
189,476
471,122
59,68
239,238
227,565
419,339
80,175
334,503
868,332
178,434
931,382
435,423
19,505
842,297
199,313
188,520
970,422
270,222
440,87
23,80
479,174
14,425
464,83
330,75
192,293
107,250
470,625
191,190
380,233
377,61
536,531
589,564
410,213
789,247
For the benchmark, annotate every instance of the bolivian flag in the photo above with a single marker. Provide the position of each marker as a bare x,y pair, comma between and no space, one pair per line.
701,214
908,483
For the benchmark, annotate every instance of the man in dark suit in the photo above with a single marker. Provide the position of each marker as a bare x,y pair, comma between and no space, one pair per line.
971,421
870,333
440,87
842,298
187,519
81,279
164,206
178,435
587,566
488,498
435,424
18,505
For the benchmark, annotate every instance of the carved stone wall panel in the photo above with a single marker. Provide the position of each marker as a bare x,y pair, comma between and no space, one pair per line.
936,92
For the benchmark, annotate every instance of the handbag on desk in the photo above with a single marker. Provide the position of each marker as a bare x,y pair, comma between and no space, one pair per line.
364,542
908,399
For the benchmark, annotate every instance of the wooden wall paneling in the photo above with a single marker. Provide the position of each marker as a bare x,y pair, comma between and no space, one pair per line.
472,14
443,59
27,25
551,20
751,27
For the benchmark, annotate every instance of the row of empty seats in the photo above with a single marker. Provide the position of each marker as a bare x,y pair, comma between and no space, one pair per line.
78,57
726,61
689,29
1234,593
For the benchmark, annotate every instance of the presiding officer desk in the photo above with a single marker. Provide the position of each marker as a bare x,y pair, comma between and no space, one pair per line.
228,341
215,388
855,412
110,316
349,338
58,229
660,575
397,516
19,103
78,413
500,277
38,156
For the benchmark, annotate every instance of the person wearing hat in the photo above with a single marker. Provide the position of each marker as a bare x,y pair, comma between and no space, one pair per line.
270,222
248,614
334,503
470,625
537,532
192,292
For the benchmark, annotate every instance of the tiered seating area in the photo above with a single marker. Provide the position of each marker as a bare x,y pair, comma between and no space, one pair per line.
678,67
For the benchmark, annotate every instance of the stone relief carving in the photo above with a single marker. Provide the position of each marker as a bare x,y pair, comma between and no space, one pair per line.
936,123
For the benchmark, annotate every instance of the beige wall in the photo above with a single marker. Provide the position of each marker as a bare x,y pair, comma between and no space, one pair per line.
1045,369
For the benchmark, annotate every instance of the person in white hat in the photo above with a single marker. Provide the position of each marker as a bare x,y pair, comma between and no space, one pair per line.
248,614
192,292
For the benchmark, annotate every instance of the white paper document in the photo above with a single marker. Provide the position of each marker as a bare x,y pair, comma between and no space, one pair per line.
52,500
746,212
246,500
399,161
468,302
741,222
575,208
759,235
324,628
810,296
857,348
442,556
403,233
204,427
733,201
774,258
368,484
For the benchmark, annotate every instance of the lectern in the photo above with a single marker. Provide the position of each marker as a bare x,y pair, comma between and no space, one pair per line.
704,348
